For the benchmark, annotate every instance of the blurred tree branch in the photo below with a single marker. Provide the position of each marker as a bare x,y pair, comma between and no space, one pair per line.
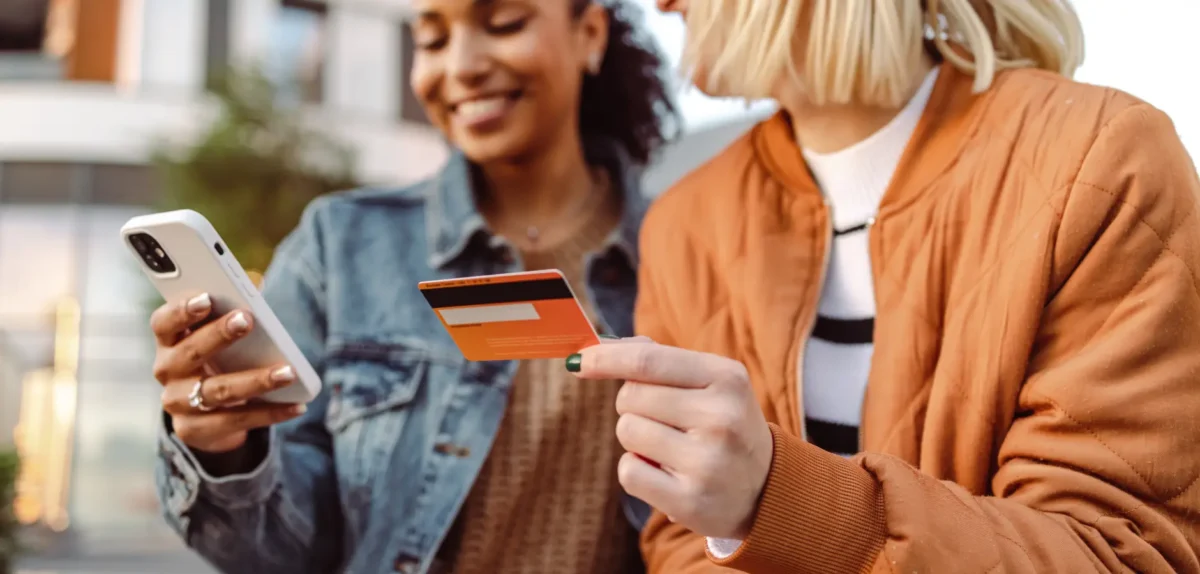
254,169
8,522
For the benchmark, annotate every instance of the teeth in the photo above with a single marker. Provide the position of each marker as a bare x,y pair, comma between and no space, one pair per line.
480,108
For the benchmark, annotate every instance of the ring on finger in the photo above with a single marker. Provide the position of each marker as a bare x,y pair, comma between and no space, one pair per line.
196,397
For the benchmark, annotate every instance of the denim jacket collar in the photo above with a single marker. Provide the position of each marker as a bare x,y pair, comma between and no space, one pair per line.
453,218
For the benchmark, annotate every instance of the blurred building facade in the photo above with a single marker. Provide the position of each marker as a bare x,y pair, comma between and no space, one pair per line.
87,88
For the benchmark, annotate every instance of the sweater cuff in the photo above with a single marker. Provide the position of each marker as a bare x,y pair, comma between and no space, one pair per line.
818,512
722,548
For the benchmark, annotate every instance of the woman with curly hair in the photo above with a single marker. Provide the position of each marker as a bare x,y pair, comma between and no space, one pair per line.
413,459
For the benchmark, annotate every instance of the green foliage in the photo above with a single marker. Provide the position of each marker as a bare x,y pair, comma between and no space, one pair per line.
8,522
254,169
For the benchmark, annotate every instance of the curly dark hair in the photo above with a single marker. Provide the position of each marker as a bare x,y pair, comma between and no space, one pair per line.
628,100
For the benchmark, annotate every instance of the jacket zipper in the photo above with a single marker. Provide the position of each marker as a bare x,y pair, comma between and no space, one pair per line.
862,406
799,349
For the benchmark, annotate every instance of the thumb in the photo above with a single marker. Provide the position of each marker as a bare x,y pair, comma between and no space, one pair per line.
575,361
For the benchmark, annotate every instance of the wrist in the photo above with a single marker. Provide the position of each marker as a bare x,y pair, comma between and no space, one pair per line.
763,456
241,460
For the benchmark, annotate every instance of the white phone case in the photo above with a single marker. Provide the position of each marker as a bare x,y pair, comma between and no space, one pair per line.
204,265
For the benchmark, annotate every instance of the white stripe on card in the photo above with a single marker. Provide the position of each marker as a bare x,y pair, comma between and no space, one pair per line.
489,314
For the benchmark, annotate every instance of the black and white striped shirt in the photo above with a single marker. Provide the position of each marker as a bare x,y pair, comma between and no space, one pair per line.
837,358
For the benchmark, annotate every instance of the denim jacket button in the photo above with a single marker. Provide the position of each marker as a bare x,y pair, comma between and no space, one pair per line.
406,563
447,448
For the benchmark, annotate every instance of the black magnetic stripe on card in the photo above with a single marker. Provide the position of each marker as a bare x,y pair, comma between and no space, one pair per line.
493,293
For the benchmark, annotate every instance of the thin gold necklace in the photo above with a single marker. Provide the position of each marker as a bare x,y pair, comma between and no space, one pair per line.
597,194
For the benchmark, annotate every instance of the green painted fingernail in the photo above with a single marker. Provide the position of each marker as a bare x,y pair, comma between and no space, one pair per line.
574,363
609,337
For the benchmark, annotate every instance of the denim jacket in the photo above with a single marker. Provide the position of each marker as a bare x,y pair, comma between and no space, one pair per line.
372,476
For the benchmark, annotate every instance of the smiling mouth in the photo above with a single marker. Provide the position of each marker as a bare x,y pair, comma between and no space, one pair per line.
485,106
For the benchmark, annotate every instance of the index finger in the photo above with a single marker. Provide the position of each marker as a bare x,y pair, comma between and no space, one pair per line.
171,319
654,364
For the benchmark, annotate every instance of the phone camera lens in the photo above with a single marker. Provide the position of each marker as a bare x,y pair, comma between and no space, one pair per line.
152,253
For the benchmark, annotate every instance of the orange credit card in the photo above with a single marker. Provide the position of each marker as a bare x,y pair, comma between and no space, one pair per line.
527,315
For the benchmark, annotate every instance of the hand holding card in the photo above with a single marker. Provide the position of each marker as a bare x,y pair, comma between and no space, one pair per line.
527,315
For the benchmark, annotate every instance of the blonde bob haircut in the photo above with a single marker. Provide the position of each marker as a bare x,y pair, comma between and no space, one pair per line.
870,51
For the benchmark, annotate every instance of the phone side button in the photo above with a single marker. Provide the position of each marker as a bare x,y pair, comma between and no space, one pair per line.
244,283
250,289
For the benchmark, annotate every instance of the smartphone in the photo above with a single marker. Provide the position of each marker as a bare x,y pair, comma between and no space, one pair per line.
183,256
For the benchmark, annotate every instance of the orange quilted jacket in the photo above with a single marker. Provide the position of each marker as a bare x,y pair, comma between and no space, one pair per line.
1034,397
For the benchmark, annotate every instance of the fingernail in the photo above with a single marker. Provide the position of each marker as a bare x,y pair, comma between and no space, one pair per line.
238,323
610,337
283,375
300,409
574,363
199,304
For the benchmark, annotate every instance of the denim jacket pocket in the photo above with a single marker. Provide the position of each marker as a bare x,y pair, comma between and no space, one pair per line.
363,388
372,395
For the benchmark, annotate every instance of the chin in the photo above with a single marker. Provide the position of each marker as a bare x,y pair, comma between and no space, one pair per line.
493,147
699,79
709,91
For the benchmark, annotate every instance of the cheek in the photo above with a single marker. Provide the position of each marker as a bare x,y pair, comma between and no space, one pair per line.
548,74
558,86
529,60
424,81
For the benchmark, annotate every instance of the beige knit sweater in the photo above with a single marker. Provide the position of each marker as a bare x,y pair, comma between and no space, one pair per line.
547,500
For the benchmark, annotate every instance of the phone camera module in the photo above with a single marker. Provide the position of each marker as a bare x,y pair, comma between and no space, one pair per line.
155,257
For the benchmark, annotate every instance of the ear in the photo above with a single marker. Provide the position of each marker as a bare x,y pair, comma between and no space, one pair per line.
592,37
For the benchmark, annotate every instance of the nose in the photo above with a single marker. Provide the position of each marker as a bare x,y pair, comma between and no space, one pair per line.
467,59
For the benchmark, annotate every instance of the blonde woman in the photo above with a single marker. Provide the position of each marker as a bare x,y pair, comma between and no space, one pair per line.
940,314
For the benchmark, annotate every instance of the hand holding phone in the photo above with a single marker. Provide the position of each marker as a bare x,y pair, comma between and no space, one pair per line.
213,412
226,364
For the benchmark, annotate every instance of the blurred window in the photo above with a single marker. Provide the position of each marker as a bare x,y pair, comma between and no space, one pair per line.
135,185
296,58
36,182
216,56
